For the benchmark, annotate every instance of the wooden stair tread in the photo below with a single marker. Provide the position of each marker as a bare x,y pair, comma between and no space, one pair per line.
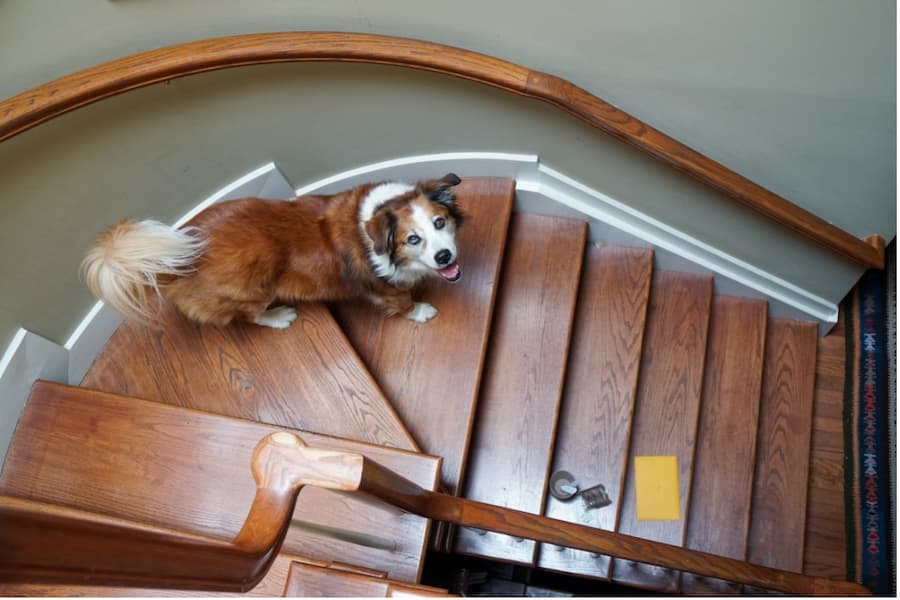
667,410
524,369
778,519
189,470
304,377
726,443
598,398
431,372
314,581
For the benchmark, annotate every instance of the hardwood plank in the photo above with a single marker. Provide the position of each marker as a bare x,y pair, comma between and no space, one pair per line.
778,521
432,372
667,410
726,442
314,581
305,377
826,544
598,398
189,470
526,361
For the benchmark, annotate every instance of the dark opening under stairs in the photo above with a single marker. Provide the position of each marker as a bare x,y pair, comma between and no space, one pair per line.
553,353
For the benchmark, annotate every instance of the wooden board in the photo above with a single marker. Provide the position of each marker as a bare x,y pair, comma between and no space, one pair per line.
598,401
526,361
726,443
313,581
190,470
826,544
431,372
667,410
778,521
304,377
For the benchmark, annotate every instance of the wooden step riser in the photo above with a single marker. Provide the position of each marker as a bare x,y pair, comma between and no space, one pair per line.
524,371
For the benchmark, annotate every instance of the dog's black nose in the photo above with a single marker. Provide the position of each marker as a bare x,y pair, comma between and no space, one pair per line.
443,257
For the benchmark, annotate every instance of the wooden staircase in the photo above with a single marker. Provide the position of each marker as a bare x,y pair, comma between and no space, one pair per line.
553,353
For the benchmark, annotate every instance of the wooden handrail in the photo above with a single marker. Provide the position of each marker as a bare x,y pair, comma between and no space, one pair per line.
42,542
30,108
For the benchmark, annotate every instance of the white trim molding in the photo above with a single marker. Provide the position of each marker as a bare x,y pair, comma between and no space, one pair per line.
539,189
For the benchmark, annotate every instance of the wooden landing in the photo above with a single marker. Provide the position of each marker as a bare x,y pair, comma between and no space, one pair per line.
778,520
313,581
304,377
726,443
598,399
189,470
525,366
667,411
431,372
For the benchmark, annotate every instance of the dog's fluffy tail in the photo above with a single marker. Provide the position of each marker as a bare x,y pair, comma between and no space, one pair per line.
123,266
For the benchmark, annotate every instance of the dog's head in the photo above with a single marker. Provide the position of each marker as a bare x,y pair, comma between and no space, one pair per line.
413,229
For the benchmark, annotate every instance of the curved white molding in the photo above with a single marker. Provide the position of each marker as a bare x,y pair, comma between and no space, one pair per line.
539,188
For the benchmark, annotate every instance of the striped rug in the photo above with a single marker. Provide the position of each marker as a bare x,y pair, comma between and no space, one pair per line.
869,430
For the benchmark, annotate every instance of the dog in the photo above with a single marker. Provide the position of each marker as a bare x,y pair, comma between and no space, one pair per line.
248,259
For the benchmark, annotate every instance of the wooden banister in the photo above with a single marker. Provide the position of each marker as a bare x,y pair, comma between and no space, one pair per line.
48,543
30,108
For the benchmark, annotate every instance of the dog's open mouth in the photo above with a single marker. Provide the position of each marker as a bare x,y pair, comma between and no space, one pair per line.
450,273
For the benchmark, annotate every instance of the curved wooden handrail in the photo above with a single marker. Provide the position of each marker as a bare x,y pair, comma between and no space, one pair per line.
30,108
46,543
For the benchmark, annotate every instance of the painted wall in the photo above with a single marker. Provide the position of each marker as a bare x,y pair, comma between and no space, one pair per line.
798,95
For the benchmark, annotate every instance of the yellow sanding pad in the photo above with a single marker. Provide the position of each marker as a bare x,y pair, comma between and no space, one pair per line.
656,488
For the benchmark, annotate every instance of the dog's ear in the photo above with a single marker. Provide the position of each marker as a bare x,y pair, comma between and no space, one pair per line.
382,228
439,191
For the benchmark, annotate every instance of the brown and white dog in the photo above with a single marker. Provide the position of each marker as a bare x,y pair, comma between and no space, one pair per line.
237,259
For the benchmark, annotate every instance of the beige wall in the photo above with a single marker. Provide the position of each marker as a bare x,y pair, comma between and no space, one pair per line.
798,95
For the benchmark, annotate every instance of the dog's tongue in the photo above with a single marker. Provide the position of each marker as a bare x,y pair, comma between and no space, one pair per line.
451,273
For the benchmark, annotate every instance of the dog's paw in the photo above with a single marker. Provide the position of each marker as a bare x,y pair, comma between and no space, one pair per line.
278,318
422,313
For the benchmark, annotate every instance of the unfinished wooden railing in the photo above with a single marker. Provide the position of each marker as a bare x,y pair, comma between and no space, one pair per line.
30,108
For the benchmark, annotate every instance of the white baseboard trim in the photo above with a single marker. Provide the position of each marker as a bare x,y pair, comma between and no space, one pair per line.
544,190
539,189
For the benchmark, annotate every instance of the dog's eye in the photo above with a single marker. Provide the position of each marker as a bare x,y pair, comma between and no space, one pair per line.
413,239
439,223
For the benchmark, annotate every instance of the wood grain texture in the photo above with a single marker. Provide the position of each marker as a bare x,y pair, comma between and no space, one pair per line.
432,372
726,444
305,377
188,470
312,581
271,586
525,366
32,107
777,527
826,544
667,410
598,399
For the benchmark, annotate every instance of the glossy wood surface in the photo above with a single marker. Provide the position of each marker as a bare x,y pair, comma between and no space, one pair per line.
667,410
825,554
432,372
777,526
525,366
304,377
726,444
312,581
187,470
598,399
32,107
